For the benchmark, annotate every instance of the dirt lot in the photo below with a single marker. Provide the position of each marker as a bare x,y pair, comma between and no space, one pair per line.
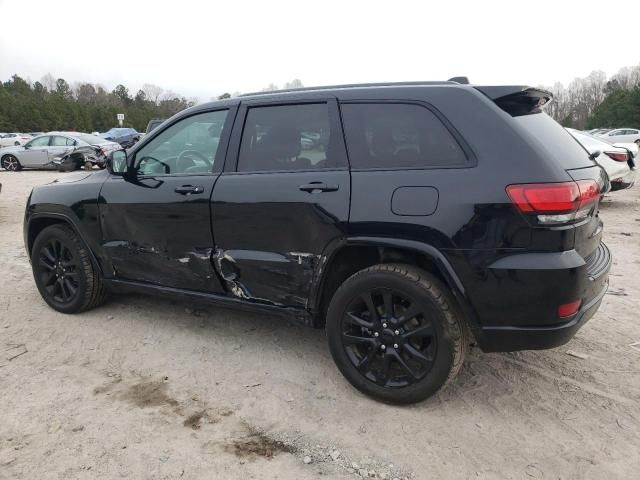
154,388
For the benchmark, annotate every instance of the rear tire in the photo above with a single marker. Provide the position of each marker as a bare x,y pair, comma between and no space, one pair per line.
63,271
396,333
88,165
11,163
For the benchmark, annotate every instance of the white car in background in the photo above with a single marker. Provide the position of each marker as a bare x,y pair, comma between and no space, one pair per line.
621,135
618,161
13,139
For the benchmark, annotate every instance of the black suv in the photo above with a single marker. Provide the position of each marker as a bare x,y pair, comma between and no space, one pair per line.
408,220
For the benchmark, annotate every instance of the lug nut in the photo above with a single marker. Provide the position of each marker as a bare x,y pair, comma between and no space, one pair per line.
397,332
384,325
383,347
395,345
376,334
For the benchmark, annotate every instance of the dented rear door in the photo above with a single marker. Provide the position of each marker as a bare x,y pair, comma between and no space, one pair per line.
283,200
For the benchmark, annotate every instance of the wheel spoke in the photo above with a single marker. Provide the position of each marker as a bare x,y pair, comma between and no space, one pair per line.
404,365
49,254
368,301
349,339
365,362
383,375
43,262
70,288
418,356
421,331
353,319
412,312
387,297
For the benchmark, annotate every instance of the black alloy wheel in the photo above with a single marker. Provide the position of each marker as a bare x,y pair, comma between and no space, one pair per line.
388,338
64,273
396,333
59,271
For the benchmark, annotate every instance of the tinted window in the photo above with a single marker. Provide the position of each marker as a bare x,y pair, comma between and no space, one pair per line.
189,147
61,141
288,137
39,142
398,135
558,143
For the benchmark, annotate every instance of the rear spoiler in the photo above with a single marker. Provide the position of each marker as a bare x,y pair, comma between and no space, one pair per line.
517,100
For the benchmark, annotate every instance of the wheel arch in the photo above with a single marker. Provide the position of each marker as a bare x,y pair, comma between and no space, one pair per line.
38,223
357,253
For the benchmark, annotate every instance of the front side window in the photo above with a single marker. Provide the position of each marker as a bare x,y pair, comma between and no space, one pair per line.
393,135
288,138
188,147
38,142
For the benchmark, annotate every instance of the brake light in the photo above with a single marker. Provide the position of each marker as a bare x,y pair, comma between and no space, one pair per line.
555,202
568,309
618,157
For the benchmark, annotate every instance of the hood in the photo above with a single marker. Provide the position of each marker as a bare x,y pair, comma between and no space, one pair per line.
73,177
12,149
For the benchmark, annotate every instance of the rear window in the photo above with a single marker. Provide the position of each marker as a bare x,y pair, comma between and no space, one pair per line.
92,139
559,143
394,135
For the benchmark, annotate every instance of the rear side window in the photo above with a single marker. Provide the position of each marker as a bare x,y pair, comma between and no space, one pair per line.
289,138
394,135
559,144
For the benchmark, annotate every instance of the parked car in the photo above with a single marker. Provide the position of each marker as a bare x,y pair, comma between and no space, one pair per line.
154,123
618,135
618,161
126,137
409,232
58,150
13,139
598,131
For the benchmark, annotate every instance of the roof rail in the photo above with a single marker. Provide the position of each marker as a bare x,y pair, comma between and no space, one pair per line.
355,85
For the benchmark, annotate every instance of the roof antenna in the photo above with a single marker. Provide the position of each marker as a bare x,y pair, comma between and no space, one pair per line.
462,80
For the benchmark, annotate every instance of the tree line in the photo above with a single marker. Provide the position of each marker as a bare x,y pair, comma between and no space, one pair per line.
596,101
53,104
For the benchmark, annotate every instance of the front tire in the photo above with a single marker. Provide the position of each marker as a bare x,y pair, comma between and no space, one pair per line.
11,163
63,271
396,333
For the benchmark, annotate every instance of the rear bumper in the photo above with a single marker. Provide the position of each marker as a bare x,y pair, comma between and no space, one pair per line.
509,339
623,182
534,323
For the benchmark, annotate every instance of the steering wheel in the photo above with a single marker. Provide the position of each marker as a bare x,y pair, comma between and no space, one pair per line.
188,153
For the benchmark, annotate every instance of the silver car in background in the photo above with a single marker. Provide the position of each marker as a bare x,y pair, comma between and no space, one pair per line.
58,150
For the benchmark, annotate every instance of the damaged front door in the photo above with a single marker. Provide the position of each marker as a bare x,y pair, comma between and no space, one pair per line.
156,220
285,202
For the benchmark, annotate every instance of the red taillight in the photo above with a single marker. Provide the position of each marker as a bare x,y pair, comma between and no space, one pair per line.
545,197
555,202
568,309
618,157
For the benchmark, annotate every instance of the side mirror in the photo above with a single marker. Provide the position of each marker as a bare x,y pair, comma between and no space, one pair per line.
117,162
595,154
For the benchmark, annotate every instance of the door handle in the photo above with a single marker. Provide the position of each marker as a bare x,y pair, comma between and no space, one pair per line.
188,190
315,187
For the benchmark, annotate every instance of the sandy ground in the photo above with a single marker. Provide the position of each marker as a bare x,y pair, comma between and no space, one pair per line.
155,388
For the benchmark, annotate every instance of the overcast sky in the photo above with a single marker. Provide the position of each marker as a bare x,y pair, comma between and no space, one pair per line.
204,48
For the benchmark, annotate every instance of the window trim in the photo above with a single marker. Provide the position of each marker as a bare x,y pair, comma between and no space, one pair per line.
335,126
224,142
472,160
